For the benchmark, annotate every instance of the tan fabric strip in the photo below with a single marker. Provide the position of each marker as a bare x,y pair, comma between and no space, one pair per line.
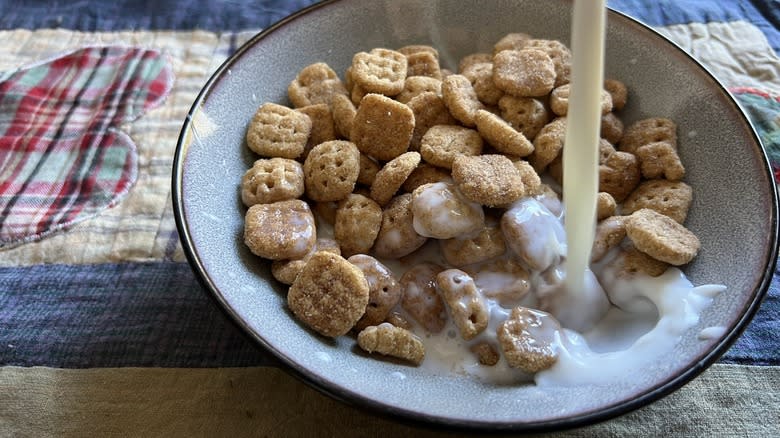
235,402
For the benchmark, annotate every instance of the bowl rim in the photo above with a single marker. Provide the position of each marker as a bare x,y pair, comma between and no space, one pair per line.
660,390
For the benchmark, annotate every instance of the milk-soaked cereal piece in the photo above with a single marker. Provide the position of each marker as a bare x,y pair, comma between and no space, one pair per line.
315,84
397,235
611,128
280,230
487,244
467,306
534,234
618,91
368,170
429,110
670,198
619,175
550,199
501,279
525,73
532,183
443,143
392,176
558,53
526,338
661,237
331,170
481,77
441,211
486,353
461,99
559,100
380,71
329,295
384,291
343,111
285,271
548,144
511,41
526,114
417,85
398,320
473,58
322,127
423,64
660,160
425,174
605,205
609,233
501,135
491,180
278,131
270,180
420,298
382,127
356,224
392,341
648,131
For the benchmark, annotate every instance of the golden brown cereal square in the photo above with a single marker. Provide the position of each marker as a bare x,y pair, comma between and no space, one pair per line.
609,233
368,170
356,224
441,211
429,110
611,128
343,111
511,41
605,205
285,271
473,58
660,160
519,338
481,77
461,99
322,127
278,131
316,83
331,170
671,198
380,71
441,144
661,237
619,175
524,73
392,176
560,55
280,230
548,143
502,136
417,85
618,91
526,114
382,127
384,291
645,131
423,64
487,244
270,180
491,180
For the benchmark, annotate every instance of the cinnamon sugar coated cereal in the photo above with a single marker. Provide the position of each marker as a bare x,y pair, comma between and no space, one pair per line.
409,200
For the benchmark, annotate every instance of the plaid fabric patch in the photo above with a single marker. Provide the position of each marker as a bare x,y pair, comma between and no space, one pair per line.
63,158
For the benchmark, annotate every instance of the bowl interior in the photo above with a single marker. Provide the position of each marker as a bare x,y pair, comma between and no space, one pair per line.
734,209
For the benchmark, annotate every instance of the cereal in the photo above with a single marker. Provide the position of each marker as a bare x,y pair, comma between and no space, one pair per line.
660,160
648,131
357,94
418,48
331,170
488,243
380,71
666,197
285,271
501,279
429,110
524,73
315,84
440,211
619,175
481,77
270,180
322,127
423,64
343,111
501,135
368,170
280,230
491,180
605,205
661,237
558,53
526,114
531,180
609,233
548,144
398,320
392,176
466,305
278,131
618,92
392,341
486,354
420,298
461,99
635,261
356,224
443,143
417,85
397,235
329,295
520,224
384,291
474,58
382,127
424,174
511,41
325,211
523,341
550,199
559,100
611,128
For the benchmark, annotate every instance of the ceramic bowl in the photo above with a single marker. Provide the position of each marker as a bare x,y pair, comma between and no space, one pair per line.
734,211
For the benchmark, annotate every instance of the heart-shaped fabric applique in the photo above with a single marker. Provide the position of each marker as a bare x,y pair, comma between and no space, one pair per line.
63,158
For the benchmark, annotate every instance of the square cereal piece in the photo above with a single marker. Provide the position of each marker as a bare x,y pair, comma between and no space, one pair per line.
473,58
501,135
356,224
322,126
271,180
419,48
416,85
548,143
461,99
420,298
331,170
646,131
315,84
522,339
618,91
280,230
278,131
481,77
423,64
381,71
392,176
560,55
524,73
382,127
429,110
619,175
661,237
491,180
397,236
660,160
511,41
559,100
670,198
441,144
526,114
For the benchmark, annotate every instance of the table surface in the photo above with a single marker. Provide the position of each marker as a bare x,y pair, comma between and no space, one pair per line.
104,328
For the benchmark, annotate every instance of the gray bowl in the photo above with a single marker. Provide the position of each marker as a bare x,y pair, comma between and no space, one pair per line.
734,210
